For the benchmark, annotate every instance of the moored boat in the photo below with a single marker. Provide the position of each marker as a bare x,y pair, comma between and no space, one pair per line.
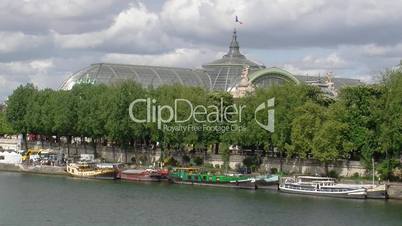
377,191
374,191
92,170
141,175
196,176
320,186
267,182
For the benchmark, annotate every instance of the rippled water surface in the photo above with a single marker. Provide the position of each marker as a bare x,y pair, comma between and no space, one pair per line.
52,200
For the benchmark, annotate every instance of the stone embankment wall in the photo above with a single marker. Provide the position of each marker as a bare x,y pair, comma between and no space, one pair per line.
395,191
292,166
54,170
297,166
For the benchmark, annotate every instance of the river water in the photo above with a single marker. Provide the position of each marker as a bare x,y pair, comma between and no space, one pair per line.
27,199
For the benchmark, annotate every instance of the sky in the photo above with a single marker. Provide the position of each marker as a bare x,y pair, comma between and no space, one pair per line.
44,41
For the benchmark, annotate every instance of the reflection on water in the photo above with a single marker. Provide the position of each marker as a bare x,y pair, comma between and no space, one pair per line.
53,200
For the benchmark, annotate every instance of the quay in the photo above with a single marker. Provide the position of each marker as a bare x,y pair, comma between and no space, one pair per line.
38,169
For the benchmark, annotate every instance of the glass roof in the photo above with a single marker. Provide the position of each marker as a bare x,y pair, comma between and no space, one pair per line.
222,74
106,73
226,72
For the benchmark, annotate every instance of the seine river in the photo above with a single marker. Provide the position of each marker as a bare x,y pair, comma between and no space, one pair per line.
52,200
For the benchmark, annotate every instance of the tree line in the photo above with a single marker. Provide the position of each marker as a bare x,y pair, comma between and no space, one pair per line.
364,122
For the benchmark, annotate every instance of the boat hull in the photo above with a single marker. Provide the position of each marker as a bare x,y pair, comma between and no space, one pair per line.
99,175
234,184
267,182
378,192
106,174
354,195
139,177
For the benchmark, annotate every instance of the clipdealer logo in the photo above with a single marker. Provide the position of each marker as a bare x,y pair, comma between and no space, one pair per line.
229,115
270,104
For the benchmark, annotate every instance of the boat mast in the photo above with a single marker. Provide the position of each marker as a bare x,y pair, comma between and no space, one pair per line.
372,160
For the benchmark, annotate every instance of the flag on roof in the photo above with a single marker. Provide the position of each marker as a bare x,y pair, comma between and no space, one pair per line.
238,21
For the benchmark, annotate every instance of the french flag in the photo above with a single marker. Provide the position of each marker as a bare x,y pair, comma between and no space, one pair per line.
238,21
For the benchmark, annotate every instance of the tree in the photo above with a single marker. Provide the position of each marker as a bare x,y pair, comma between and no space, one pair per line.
361,107
119,126
305,127
39,118
328,143
5,126
17,109
64,116
391,120
216,122
225,153
89,102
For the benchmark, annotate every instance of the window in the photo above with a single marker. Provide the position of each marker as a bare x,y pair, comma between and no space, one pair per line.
1,157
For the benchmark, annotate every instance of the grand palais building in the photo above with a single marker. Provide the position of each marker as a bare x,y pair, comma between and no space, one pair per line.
233,73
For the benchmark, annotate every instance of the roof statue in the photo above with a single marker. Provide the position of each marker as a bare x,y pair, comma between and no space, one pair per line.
244,85
244,77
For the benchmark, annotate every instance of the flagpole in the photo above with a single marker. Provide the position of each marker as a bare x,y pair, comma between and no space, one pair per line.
235,24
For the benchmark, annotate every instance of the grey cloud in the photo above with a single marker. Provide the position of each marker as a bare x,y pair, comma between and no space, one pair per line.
361,36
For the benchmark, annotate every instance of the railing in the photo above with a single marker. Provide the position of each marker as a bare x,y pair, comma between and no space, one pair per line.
8,141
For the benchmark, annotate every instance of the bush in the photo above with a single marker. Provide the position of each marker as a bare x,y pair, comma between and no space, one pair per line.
355,175
252,162
208,165
273,170
143,159
185,159
170,161
198,161
383,170
333,174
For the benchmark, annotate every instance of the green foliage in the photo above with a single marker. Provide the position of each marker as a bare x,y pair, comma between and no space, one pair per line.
361,108
364,122
198,161
18,107
185,159
225,153
252,162
328,143
170,161
333,174
305,126
5,126
273,171
386,168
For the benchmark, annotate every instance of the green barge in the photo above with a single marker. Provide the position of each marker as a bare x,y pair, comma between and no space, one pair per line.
196,176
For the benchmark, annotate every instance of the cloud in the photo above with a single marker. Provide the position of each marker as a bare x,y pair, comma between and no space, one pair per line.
374,50
133,30
42,41
17,41
178,58
64,16
56,9
26,67
332,61
15,73
281,24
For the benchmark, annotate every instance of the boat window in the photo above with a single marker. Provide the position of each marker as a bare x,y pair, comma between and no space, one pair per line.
1,157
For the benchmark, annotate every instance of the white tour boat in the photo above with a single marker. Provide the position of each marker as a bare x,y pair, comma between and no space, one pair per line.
321,186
